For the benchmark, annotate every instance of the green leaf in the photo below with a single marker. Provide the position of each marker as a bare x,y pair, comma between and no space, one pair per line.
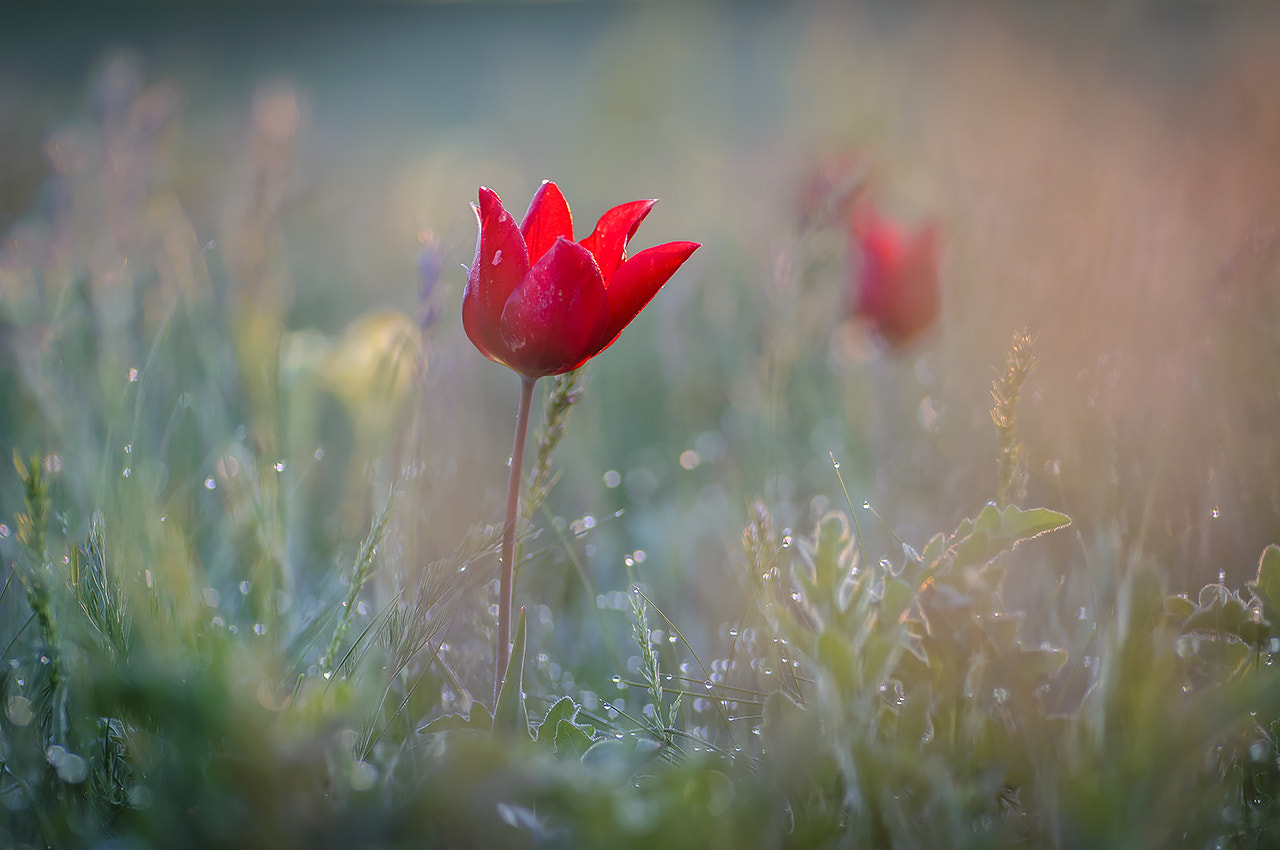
478,720
1224,613
835,656
572,739
1267,585
1017,524
833,535
564,709
510,716
934,549
1179,607
995,531
898,596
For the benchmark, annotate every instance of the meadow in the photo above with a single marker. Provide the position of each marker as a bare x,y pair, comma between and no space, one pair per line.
790,569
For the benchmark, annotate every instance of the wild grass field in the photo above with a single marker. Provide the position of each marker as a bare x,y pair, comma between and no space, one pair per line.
795,565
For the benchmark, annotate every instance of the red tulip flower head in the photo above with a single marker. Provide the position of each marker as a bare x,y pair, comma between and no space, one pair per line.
541,303
895,283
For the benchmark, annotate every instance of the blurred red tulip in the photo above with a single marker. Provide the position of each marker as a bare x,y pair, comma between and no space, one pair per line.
895,282
542,304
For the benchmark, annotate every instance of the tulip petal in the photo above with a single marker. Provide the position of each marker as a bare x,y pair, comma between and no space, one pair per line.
557,318
608,242
639,279
547,219
500,264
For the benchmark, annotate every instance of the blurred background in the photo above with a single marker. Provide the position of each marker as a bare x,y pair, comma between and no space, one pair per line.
1108,180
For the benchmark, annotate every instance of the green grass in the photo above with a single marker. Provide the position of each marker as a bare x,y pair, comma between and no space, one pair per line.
782,587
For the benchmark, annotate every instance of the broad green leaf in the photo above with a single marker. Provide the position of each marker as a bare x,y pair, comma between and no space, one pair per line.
976,548
1224,614
564,709
1226,656
1179,607
994,531
571,738
1255,634
1212,594
479,720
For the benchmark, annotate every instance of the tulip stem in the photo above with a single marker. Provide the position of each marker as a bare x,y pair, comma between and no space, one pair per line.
502,642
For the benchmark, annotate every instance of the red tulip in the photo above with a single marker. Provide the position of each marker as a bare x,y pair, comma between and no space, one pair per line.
895,284
541,303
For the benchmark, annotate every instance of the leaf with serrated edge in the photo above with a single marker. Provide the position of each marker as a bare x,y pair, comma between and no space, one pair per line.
564,709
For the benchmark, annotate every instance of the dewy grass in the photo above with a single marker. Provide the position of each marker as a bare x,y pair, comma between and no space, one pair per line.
360,575
224,641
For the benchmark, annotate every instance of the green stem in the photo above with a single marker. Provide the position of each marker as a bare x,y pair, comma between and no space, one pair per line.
502,642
